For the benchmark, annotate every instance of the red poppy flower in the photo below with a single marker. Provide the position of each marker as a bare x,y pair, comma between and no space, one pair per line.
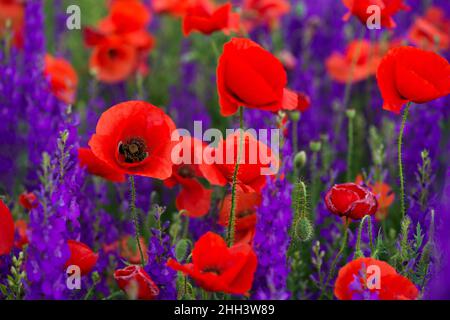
205,18
246,206
63,78
263,12
215,267
134,137
384,194
248,75
351,200
352,282
21,234
388,8
113,59
343,67
129,250
129,15
6,229
136,283
95,166
257,161
432,30
173,7
82,256
13,11
408,74
28,200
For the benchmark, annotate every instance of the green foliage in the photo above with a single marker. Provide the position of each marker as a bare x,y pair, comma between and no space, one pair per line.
14,288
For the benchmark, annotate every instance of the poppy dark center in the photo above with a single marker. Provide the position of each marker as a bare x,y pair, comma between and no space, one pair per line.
244,213
133,150
212,270
186,171
112,53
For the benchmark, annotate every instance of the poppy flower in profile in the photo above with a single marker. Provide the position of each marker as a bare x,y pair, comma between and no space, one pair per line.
205,18
134,137
263,13
388,8
129,250
6,229
95,166
359,62
28,200
194,198
218,268
136,283
351,200
408,74
21,240
432,30
13,12
371,279
384,194
62,77
257,161
82,256
250,76
246,205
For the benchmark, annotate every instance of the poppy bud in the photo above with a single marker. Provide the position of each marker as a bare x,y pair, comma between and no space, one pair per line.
303,229
82,256
295,115
300,159
351,200
315,146
136,283
351,113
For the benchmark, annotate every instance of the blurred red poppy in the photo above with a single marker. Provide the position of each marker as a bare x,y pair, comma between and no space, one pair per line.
432,30
353,278
95,166
173,7
129,15
82,256
62,77
194,198
6,229
134,137
215,267
13,11
21,227
129,250
351,200
263,12
250,76
136,283
388,8
384,194
408,74
257,161
28,200
204,17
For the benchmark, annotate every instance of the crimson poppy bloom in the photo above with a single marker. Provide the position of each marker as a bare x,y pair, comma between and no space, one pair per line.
352,282
215,267
129,15
28,200
205,18
21,227
384,194
257,161
95,166
432,30
129,250
174,7
82,256
388,8
134,137
13,11
136,283
351,200
250,76
359,62
263,13
62,77
6,229
408,74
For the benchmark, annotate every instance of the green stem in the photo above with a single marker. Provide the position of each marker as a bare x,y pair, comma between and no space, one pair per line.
135,218
358,252
232,219
350,149
295,143
400,161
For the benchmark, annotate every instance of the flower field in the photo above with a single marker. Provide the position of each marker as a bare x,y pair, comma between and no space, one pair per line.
217,150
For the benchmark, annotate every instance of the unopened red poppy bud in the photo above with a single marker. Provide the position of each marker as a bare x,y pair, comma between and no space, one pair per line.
300,159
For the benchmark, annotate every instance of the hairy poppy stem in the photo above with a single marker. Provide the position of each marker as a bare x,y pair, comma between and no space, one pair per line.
232,219
351,117
135,218
400,161
358,252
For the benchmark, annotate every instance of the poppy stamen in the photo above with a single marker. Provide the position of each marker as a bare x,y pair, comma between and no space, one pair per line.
214,270
134,150
186,171
245,213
